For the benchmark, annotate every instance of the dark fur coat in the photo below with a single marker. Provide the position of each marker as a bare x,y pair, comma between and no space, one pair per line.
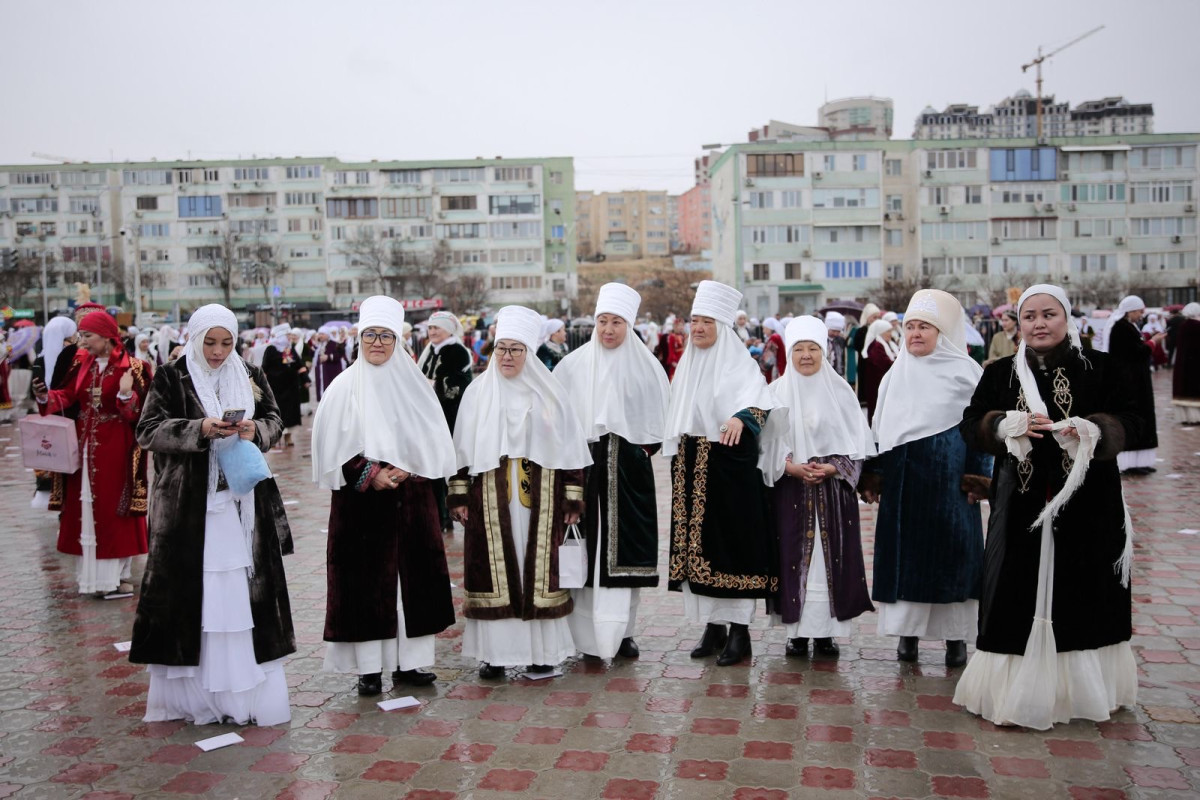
166,629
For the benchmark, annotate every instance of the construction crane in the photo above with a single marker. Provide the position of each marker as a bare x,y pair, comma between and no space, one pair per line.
1037,62
51,157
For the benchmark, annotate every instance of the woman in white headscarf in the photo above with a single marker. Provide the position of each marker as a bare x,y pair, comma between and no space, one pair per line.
773,359
51,366
1056,615
446,363
167,341
928,531
1129,351
814,467
620,393
286,373
720,551
521,453
553,348
213,620
1185,378
877,358
378,441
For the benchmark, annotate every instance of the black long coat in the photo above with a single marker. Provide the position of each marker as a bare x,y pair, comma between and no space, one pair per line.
166,629
287,382
1129,352
1091,609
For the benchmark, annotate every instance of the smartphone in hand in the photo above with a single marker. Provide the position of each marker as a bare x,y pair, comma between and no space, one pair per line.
233,415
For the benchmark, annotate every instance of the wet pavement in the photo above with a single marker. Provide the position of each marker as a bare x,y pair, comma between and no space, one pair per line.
663,726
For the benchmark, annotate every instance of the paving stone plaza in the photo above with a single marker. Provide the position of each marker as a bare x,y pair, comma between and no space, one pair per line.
663,726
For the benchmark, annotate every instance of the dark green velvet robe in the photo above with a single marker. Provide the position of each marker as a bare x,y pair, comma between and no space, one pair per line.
620,497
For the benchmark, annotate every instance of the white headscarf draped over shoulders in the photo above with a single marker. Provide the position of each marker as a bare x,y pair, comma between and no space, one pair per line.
385,412
925,395
1130,303
873,331
623,390
714,383
526,416
823,410
56,331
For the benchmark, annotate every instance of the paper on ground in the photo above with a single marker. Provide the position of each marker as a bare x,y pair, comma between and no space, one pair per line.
541,676
224,740
398,702
1189,531
120,596
122,647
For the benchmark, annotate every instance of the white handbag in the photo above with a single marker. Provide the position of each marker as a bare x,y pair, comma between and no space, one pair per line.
572,560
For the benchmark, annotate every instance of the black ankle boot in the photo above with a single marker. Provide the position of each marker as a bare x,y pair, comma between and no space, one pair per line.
907,649
737,648
713,639
628,648
369,685
797,648
956,652
413,677
825,647
490,672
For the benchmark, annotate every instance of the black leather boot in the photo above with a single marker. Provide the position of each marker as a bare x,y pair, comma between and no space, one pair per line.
825,647
907,649
628,648
956,652
371,684
490,672
797,648
413,677
737,647
713,639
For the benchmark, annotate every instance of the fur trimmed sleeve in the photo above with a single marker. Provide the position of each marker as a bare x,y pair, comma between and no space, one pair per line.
1112,436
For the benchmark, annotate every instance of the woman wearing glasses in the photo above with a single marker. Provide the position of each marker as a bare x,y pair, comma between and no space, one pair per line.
521,453
388,585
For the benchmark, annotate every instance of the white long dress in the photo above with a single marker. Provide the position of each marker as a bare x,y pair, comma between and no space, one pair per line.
603,615
516,642
382,655
228,684
932,621
816,621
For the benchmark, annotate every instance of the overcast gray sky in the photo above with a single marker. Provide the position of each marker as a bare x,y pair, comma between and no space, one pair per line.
630,89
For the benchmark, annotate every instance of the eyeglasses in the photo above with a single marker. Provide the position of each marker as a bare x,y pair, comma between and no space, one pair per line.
515,352
369,337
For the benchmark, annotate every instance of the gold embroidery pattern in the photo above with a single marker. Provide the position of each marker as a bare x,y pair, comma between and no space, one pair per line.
498,596
1062,392
1024,468
678,514
759,415
613,522
541,539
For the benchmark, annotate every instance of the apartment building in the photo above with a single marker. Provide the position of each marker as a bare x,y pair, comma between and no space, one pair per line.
511,221
695,219
798,224
1016,117
632,224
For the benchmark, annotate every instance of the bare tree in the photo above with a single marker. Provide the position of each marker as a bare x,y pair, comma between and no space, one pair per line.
425,272
223,262
895,293
1098,289
466,292
24,276
372,255
262,265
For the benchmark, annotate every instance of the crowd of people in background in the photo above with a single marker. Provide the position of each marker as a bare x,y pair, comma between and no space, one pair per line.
528,431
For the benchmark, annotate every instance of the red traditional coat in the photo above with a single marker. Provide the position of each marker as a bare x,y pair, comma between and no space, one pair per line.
116,464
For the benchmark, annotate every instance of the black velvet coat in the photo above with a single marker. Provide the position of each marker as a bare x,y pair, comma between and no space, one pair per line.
620,497
375,536
1091,609
1129,352
166,629
287,384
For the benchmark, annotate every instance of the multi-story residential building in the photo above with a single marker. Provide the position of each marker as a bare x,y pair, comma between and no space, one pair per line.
848,119
695,219
633,224
308,226
798,224
1016,117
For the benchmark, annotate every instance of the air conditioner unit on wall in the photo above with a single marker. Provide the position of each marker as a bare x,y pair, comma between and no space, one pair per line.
1120,240
1190,208
818,176
995,240
1176,239
1070,206
943,209
1048,207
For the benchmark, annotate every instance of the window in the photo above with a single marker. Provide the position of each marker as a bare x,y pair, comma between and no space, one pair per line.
775,165
517,282
461,230
974,195
858,163
254,226
951,159
183,176
893,167
36,178
83,205
1093,192
154,229
845,198
560,232
514,204
516,255
762,199
1147,262
406,177
460,257
302,198
1024,164
343,287
895,272
352,208
406,207
48,229
1161,192
793,198
83,254
252,200
295,225
761,272
895,202
512,173
556,177
199,206
146,177
314,223
1084,228
963,265
847,269
337,232
516,230
459,175
368,286
1163,226
894,238
778,234
145,203
954,231
302,171
1024,228
202,280
81,178
35,205
420,231
204,253
212,175
791,271
845,234
459,202
252,173
939,195
1163,157
1094,262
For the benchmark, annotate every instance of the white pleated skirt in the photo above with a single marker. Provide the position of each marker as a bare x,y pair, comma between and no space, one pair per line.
816,615
228,685
1090,684
702,609
95,574
1135,459
933,621
603,615
382,655
516,642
